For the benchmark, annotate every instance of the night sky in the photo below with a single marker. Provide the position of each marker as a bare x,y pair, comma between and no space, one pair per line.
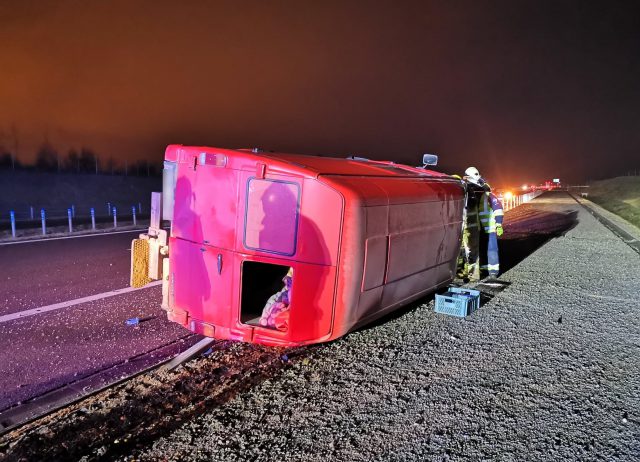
524,91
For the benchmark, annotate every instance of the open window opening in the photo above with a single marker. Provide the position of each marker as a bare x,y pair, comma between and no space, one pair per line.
266,294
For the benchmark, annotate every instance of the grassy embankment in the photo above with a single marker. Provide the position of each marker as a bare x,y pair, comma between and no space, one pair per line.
619,195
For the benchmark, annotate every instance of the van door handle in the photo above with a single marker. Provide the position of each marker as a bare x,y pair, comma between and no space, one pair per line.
219,263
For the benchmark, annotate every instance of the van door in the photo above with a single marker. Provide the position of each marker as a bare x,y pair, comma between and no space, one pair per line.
216,204
203,281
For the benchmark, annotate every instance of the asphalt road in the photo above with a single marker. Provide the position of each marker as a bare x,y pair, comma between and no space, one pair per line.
44,351
45,272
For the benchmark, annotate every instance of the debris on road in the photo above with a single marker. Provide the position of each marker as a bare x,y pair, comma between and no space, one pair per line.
137,321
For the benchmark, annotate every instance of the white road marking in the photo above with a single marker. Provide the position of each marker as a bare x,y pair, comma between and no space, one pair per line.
29,241
77,301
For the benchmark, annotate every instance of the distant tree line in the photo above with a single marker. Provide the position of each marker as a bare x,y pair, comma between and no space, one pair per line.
48,159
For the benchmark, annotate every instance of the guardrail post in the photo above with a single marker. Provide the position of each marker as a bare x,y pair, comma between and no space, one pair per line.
108,208
115,217
43,218
69,217
133,210
31,211
12,215
93,218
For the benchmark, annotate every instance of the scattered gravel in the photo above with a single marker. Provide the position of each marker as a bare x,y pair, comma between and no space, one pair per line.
548,369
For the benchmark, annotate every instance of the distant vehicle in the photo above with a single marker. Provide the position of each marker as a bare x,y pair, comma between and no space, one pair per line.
550,184
322,245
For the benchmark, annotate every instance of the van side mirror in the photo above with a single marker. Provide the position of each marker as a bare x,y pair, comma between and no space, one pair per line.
429,159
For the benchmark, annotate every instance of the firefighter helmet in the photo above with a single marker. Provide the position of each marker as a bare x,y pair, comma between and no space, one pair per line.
473,175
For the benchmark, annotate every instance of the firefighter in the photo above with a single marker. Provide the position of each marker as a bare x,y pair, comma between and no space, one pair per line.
483,224
491,216
471,226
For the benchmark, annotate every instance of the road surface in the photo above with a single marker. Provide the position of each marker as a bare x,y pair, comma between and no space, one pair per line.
44,351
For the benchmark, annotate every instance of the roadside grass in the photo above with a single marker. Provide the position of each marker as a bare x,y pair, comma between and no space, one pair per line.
619,195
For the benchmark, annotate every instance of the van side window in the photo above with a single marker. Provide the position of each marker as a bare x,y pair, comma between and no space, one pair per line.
271,217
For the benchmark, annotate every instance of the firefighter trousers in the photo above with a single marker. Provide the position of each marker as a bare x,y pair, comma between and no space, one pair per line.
490,260
471,253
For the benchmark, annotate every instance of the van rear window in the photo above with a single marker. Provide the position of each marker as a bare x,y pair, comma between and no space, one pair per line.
271,217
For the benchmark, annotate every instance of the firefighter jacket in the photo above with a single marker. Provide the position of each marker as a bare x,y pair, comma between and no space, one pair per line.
490,212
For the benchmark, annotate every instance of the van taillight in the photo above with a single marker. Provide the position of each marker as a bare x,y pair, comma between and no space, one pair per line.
216,160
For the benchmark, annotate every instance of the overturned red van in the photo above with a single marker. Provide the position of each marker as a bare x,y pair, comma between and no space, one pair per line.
352,239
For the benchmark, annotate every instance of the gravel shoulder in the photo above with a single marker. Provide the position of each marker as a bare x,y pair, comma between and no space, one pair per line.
547,369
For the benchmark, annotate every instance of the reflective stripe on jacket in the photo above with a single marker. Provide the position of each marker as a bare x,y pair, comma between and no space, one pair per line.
490,211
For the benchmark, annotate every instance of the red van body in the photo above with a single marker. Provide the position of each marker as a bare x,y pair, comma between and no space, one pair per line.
363,238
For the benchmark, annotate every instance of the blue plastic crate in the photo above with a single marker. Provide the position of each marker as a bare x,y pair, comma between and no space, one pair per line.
458,302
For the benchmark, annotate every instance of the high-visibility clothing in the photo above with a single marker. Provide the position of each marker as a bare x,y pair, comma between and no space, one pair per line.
491,216
490,212
470,253
471,234
479,241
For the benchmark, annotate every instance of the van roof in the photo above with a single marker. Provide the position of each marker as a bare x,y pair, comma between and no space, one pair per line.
309,166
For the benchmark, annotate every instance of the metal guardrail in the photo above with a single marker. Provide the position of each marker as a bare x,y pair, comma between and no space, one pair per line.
519,199
44,217
32,213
